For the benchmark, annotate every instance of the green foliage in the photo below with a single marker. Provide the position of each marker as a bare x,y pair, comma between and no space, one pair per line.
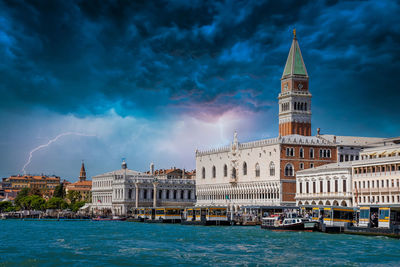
59,191
35,191
56,203
32,202
73,196
23,193
88,198
77,205
37,202
11,208
4,205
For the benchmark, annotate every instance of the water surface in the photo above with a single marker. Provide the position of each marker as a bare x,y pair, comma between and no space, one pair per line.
87,243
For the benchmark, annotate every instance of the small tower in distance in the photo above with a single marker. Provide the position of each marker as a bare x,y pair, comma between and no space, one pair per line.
82,174
295,98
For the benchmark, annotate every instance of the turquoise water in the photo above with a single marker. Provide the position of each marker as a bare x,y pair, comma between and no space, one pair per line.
86,243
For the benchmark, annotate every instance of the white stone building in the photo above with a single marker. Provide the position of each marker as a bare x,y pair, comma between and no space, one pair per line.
118,191
257,173
328,185
376,176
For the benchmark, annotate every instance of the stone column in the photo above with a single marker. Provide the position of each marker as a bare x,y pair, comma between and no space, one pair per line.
164,194
185,194
155,194
136,195
179,194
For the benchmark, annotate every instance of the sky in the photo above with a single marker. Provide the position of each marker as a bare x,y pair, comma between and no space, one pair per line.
152,81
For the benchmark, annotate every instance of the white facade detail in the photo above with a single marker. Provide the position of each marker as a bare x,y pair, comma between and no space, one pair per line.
328,185
376,176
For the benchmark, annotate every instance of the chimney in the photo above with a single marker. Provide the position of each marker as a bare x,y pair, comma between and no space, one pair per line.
152,168
183,174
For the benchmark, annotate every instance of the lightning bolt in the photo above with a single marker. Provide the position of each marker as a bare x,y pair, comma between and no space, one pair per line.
49,143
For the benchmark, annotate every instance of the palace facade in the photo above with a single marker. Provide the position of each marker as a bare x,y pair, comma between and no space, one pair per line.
258,173
119,191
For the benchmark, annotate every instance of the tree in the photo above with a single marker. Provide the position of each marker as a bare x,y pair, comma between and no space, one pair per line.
11,208
35,191
37,202
77,205
59,191
73,196
4,205
88,198
22,194
32,202
56,203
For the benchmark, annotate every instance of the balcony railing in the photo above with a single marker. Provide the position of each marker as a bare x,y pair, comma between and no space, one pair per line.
377,174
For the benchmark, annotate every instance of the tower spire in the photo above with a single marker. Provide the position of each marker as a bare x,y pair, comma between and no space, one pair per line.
82,174
295,98
294,63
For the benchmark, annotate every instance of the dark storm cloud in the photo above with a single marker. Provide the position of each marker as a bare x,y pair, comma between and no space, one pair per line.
85,57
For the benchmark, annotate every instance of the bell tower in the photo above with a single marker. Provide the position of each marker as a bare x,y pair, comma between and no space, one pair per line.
82,174
295,98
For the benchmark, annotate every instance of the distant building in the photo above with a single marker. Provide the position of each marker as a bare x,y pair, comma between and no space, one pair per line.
31,181
119,191
82,186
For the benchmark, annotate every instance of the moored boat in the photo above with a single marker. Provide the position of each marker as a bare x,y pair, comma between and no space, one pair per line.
289,224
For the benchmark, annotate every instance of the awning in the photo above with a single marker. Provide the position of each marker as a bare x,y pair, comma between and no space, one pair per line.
86,206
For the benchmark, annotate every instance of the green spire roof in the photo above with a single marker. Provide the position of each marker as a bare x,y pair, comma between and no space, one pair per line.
294,63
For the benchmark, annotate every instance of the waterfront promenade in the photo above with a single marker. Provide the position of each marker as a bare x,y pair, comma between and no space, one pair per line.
88,243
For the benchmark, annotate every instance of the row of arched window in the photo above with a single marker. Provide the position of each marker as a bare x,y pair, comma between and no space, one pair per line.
300,106
244,170
285,106
297,106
